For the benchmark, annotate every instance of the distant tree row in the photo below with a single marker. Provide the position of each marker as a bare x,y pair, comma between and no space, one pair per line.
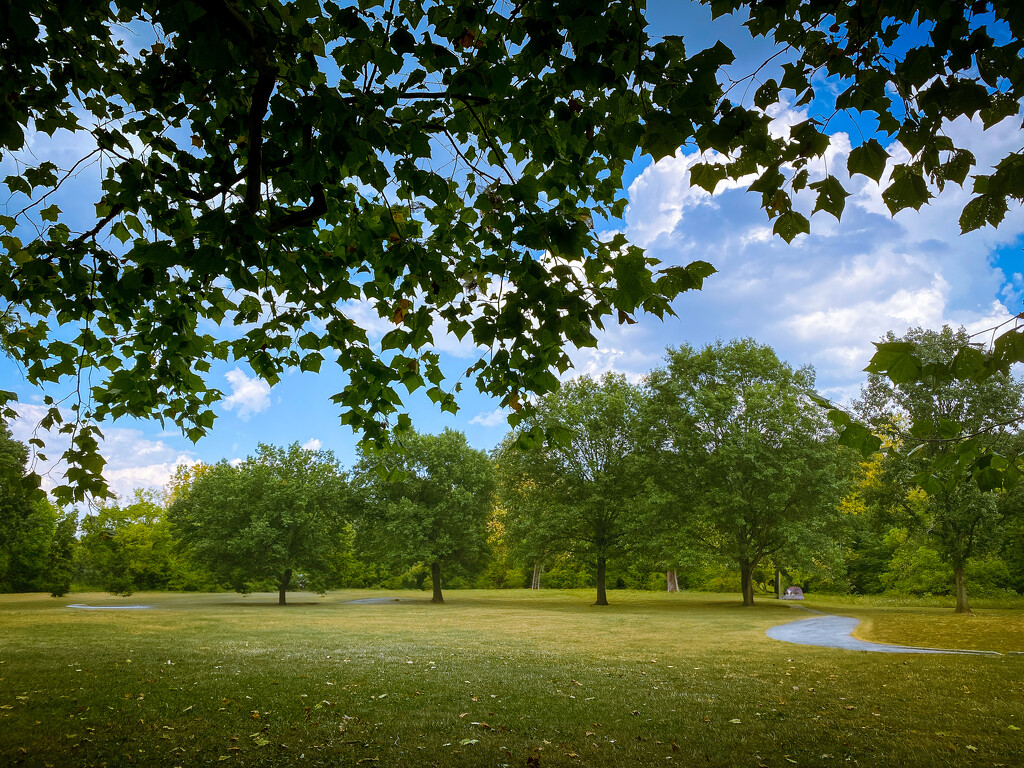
722,461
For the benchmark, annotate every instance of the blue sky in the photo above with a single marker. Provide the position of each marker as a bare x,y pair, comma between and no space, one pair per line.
820,300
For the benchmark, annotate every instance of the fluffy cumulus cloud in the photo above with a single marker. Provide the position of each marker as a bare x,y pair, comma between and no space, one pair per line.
495,418
134,460
248,397
312,445
824,298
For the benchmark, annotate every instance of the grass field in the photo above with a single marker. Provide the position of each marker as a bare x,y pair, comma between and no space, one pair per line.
496,679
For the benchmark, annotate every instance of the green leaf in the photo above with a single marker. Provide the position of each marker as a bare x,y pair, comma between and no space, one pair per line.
707,175
632,280
898,360
50,213
790,224
831,196
908,190
767,94
982,210
664,134
120,232
868,159
860,438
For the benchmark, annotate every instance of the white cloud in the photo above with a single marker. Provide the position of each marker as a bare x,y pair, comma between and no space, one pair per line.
827,296
312,445
249,395
494,418
133,459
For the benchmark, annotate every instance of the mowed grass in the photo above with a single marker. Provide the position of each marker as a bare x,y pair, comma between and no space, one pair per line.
508,678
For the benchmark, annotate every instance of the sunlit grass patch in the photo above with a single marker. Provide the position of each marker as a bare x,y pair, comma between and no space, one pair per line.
490,678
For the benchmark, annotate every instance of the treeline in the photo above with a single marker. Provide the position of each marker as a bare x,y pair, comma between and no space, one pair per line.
720,470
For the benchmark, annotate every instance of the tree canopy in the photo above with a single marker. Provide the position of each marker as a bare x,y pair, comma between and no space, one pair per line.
432,507
279,513
769,473
27,520
921,416
583,490
266,168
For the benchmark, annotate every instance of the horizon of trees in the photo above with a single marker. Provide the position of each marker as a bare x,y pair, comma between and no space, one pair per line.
720,467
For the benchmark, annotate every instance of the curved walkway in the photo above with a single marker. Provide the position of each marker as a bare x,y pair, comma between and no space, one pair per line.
828,631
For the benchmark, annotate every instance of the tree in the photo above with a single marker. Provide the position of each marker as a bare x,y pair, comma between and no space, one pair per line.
61,565
129,546
278,513
583,490
922,415
768,475
267,164
26,520
432,507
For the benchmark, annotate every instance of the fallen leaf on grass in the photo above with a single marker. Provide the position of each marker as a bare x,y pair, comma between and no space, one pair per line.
971,747
735,720
467,742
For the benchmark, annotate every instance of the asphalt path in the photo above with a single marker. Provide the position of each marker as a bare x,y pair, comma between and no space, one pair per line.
828,631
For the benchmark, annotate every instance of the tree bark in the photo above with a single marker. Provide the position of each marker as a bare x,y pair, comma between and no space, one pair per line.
747,583
435,577
962,606
673,581
778,583
286,578
535,584
602,596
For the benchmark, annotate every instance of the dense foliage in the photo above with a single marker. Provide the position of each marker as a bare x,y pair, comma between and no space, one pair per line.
768,471
268,167
277,515
584,492
921,416
428,501
719,467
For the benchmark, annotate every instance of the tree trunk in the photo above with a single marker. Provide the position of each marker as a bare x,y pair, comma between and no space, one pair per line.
673,581
778,583
286,578
602,596
962,606
435,577
747,583
535,584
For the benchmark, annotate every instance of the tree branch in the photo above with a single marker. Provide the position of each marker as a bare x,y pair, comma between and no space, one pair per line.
257,110
304,217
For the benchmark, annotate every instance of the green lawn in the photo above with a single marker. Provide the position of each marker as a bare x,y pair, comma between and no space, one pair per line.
495,678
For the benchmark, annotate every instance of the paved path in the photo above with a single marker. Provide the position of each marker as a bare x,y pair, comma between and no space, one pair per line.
377,600
110,607
827,631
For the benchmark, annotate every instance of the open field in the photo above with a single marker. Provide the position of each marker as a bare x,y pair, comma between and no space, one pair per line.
496,678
